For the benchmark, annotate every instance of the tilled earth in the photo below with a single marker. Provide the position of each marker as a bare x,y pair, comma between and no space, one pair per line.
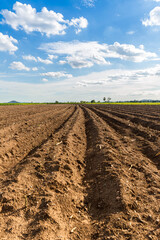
70,172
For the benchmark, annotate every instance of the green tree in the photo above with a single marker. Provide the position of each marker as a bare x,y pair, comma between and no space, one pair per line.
104,99
108,99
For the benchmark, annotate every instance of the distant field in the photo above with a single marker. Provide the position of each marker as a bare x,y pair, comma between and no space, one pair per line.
19,103
111,103
129,103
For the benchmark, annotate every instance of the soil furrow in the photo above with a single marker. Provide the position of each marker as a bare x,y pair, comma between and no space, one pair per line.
152,110
128,113
102,181
25,113
19,166
137,120
47,201
142,139
19,141
86,172
137,192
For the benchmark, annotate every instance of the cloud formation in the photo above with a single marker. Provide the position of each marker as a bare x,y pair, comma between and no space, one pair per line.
38,59
154,18
85,54
79,23
7,44
29,58
45,61
131,32
34,69
46,22
51,57
129,52
117,77
56,74
44,80
78,54
88,3
18,66
119,84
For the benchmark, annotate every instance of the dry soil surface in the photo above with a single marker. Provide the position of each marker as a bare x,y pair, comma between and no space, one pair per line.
70,172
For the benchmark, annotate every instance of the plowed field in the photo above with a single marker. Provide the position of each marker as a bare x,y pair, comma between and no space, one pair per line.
70,172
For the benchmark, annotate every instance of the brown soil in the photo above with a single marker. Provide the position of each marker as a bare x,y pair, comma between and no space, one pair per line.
84,172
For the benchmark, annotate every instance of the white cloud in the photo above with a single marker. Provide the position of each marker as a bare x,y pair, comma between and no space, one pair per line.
85,54
56,74
51,57
46,22
29,58
88,3
62,62
154,18
38,59
45,61
119,84
79,23
117,76
45,80
129,52
131,32
76,62
7,44
18,66
34,69
156,0
78,54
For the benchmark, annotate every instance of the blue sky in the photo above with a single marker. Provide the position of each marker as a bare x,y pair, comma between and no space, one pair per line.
76,50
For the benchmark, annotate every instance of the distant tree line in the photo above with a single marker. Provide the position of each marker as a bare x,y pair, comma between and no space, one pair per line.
108,100
104,100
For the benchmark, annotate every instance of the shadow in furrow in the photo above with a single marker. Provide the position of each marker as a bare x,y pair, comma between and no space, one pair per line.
103,185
